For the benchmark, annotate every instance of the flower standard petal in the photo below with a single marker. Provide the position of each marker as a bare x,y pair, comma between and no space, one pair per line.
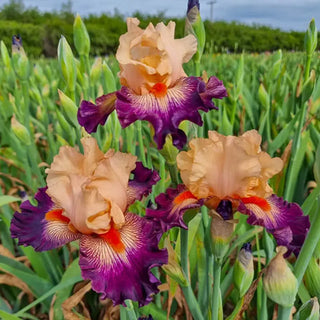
165,110
43,226
119,262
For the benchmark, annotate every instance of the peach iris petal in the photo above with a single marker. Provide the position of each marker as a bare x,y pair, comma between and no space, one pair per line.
91,187
228,166
152,56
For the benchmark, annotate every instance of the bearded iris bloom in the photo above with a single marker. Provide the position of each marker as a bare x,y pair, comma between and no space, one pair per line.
154,85
228,174
86,199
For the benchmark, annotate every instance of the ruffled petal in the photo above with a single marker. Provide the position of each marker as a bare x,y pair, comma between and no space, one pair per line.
284,220
91,115
171,206
43,227
142,182
119,262
166,109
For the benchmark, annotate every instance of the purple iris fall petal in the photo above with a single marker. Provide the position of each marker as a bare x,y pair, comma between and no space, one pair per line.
142,182
181,102
171,206
91,115
33,229
282,219
124,274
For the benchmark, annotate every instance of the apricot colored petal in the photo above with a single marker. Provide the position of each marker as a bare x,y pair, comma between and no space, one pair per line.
121,269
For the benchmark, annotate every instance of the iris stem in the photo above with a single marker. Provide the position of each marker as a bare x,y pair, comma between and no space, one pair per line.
216,290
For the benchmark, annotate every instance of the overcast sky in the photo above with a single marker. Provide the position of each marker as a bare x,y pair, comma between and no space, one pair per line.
283,14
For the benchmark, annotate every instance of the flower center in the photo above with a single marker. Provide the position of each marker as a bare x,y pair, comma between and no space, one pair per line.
159,90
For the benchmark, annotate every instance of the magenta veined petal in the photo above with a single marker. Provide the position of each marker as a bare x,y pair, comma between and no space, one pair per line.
142,182
91,115
171,207
284,220
120,268
43,227
181,102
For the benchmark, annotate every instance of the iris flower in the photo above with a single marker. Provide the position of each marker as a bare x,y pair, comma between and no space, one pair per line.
228,174
86,199
154,85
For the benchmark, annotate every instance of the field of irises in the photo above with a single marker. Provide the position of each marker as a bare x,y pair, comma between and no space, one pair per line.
135,188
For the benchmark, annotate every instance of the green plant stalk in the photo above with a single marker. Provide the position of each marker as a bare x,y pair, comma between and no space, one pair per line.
304,257
290,183
192,302
216,294
236,309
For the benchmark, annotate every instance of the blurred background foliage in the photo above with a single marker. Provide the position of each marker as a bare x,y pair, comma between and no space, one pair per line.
41,31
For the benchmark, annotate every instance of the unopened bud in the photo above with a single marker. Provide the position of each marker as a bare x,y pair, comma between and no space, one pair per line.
194,25
243,271
263,96
20,131
279,282
81,37
19,59
309,310
69,108
67,63
108,78
222,227
5,55
311,37
173,268
95,72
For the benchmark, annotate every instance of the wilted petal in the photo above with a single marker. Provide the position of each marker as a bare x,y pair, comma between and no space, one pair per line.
171,206
166,108
284,220
119,262
43,226
142,182
91,115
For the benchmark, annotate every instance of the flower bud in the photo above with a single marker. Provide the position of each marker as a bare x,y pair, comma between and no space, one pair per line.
5,55
222,227
309,310
69,108
108,78
263,96
310,38
81,37
20,131
20,60
312,277
95,72
173,268
243,271
279,282
67,63
194,25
